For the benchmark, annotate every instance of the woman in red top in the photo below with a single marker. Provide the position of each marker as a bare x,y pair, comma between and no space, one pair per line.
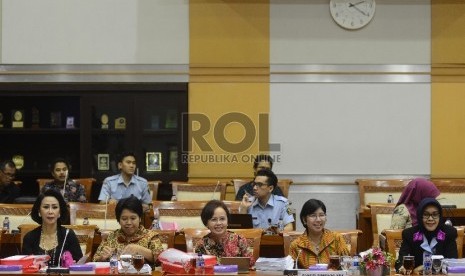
220,242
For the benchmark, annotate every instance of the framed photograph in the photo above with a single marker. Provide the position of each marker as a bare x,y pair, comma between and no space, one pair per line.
153,161
103,162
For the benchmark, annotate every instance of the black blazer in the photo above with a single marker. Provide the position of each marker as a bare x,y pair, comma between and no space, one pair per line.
32,240
447,247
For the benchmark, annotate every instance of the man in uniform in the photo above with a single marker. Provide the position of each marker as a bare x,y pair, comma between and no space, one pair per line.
266,208
9,191
262,161
126,183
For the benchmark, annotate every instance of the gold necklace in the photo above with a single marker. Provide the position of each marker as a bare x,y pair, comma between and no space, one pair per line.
49,246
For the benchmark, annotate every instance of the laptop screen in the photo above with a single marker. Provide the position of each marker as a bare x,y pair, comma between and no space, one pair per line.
240,221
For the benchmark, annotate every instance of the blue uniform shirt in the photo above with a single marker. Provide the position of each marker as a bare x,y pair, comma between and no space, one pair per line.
276,208
114,188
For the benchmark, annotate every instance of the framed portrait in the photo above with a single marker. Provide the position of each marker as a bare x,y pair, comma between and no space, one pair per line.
153,161
103,161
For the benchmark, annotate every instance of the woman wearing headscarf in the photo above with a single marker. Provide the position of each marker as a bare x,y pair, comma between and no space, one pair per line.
431,235
404,214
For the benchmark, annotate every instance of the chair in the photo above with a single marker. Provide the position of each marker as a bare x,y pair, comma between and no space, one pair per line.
198,191
167,238
86,182
23,230
17,214
254,237
85,235
283,184
381,216
98,214
350,238
377,190
153,188
192,236
452,191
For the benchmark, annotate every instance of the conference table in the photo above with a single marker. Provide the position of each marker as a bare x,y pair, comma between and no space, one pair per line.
271,245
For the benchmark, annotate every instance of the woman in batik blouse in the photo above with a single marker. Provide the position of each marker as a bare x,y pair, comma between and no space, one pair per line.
132,238
220,242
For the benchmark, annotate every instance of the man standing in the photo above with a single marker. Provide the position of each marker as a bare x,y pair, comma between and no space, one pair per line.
266,209
8,189
262,161
126,183
72,191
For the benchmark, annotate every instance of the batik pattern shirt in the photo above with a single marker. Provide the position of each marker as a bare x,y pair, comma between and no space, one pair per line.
401,218
74,192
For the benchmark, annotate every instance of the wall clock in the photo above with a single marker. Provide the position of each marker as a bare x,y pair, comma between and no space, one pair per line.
352,14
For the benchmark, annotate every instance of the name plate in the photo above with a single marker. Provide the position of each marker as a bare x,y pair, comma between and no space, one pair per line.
322,273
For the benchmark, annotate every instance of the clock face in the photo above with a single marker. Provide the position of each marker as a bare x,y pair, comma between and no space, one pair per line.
352,14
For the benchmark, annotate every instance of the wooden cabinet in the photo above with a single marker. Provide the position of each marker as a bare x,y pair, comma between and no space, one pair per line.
107,118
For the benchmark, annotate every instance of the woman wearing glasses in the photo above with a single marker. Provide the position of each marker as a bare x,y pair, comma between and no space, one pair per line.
220,242
317,243
431,234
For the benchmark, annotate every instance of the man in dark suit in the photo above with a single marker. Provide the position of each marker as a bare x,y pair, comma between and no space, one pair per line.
9,191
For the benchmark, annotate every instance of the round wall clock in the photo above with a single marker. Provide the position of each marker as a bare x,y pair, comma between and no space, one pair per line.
352,14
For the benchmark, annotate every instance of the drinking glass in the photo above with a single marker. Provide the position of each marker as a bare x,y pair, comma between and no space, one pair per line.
125,261
346,262
409,264
187,264
437,263
138,262
334,262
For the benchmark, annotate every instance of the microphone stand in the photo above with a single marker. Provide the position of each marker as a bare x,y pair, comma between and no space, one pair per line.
295,270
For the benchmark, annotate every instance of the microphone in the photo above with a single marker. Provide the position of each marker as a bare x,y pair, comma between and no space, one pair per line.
64,184
106,211
214,191
21,222
297,258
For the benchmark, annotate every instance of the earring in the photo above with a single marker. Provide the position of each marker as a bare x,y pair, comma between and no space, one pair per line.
40,215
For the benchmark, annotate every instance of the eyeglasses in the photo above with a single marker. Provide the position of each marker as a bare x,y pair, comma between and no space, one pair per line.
433,216
259,184
12,175
315,216
216,220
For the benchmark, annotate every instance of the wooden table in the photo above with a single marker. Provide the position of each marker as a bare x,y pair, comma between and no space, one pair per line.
270,246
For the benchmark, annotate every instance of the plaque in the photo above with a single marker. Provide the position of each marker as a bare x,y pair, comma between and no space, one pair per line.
103,160
104,121
55,119
153,161
120,123
173,164
17,119
69,122
1,119
18,160
35,118
171,119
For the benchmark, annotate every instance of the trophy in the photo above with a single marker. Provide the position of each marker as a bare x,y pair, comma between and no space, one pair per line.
1,120
18,119
104,121
18,160
120,123
35,118
55,119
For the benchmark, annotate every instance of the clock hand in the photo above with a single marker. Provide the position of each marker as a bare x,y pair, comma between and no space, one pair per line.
358,3
355,7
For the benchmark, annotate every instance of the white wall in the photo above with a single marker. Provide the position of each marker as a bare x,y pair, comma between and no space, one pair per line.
95,32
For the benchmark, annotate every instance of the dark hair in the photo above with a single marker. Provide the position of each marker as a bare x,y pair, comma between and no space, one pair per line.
63,219
59,160
272,179
126,154
132,204
262,157
8,163
309,208
209,209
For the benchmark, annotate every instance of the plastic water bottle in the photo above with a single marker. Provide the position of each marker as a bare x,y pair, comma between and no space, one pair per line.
6,225
85,221
155,224
355,268
390,199
427,263
199,264
114,263
281,225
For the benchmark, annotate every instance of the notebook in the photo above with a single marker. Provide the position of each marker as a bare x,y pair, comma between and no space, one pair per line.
240,221
241,262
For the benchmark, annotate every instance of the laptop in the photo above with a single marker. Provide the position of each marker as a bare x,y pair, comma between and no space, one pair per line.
241,262
240,221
